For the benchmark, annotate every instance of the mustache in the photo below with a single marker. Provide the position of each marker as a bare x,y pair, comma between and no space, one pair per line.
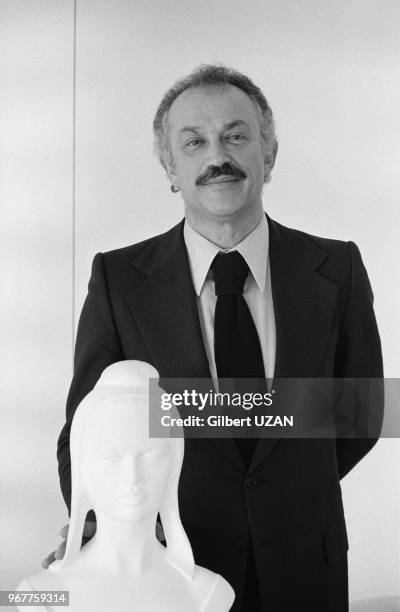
226,169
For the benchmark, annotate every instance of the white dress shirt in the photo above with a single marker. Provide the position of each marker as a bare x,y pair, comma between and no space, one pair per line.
257,289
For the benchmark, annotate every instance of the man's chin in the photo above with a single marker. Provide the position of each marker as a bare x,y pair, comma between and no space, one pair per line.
217,204
223,207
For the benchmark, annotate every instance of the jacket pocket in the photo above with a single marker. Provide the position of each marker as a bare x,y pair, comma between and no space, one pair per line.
335,539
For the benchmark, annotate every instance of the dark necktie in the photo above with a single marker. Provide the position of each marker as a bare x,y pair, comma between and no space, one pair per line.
238,355
236,344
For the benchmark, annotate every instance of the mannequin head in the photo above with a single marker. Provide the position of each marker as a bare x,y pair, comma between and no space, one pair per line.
118,470
124,471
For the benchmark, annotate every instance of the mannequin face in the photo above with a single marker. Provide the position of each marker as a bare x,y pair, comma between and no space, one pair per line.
126,472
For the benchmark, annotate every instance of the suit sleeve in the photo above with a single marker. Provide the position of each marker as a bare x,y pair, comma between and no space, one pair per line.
97,346
359,356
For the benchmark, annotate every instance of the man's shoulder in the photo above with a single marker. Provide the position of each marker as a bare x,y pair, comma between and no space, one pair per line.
148,244
144,256
303,240
330,256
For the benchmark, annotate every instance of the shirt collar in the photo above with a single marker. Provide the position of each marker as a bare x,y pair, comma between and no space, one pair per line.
254,249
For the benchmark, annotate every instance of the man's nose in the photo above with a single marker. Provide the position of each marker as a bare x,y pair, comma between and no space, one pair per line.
217,153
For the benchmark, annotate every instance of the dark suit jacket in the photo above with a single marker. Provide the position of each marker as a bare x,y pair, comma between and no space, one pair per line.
141,305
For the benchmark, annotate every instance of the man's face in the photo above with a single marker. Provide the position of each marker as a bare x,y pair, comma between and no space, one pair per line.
218,158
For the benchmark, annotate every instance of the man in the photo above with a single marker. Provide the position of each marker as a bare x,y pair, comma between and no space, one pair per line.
268,516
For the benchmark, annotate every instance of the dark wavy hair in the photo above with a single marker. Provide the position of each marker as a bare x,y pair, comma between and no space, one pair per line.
210,76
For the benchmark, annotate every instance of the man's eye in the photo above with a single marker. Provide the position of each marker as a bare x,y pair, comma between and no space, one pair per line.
193,143
236,137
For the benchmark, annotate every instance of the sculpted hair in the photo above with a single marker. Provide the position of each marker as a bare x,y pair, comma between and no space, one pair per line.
123,390
210,76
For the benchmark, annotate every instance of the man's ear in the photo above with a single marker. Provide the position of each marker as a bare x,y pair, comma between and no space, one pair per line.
270,158
172,175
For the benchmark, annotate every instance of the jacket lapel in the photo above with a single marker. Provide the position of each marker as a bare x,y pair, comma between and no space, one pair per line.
164,306
304,306
304,303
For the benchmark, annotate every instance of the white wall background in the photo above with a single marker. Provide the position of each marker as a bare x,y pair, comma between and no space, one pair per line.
36,75
331,73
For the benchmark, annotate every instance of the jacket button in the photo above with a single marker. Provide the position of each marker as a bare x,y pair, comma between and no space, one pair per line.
250,482
240,544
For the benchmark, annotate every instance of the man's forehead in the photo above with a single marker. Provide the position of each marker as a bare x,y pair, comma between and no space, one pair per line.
197,106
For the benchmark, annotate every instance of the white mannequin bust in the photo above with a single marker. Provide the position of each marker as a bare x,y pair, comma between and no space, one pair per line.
127,478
